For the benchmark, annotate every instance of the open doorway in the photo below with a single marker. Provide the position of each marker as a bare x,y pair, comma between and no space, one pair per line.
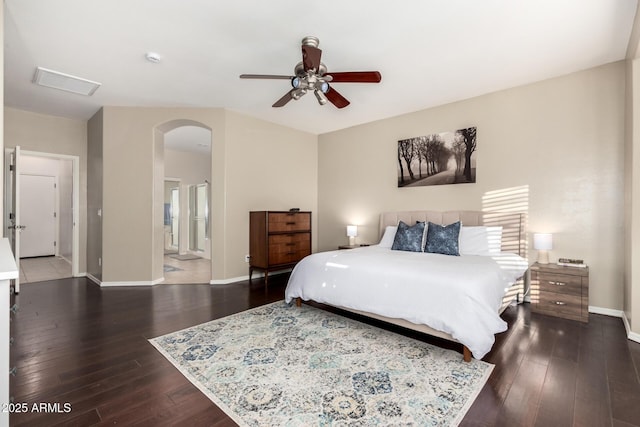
187,171
48,199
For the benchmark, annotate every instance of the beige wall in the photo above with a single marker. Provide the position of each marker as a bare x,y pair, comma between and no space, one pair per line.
133,182
269,167
632,198
57,135
94,195
254,165
563,138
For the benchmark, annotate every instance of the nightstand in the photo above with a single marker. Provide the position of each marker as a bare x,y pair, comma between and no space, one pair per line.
352,246
560,291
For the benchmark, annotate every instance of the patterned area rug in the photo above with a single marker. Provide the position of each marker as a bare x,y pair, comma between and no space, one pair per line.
278,365
169,268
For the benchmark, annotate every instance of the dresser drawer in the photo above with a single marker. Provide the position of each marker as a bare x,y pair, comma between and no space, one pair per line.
558,304
560,283
289,221
289,248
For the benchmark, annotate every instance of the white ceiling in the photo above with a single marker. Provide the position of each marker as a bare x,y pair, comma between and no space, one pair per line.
430,52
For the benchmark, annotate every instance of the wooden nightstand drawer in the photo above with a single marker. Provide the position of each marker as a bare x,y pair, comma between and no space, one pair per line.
561,283
563,305
289,221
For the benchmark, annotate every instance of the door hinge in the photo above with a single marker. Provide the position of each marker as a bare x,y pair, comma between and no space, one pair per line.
55,214
55,185
12,168
11,215
55,243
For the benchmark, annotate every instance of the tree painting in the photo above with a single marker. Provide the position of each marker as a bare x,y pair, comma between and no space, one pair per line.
439,158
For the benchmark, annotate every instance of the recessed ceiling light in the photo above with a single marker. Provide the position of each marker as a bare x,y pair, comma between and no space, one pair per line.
153,57
66,82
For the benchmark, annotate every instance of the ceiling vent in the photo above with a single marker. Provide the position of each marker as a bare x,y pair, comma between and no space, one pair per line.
69,83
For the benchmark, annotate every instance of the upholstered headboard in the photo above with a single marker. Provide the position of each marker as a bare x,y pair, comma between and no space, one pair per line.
513,224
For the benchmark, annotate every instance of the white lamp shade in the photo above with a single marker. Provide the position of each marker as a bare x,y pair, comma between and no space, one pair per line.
352,230
543,241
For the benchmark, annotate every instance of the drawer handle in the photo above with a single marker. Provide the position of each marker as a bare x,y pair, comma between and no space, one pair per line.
290,223
14,308
560,303
290,244
13,371
290,253
557,283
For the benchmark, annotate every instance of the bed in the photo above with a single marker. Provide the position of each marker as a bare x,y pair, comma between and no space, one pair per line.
416,290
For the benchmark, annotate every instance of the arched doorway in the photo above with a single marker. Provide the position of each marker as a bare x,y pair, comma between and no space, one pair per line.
183,192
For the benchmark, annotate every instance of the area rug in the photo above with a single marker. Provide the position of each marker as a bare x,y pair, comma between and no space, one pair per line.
169,268
281,365
185,257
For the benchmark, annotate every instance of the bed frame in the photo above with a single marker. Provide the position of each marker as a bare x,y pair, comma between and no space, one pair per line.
513,240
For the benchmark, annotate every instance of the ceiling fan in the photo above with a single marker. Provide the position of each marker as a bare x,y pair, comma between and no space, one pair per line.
311,75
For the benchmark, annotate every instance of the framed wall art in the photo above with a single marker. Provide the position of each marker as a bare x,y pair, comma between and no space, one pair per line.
437,159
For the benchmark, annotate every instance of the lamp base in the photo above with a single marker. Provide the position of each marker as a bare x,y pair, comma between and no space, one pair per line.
352,240
543,257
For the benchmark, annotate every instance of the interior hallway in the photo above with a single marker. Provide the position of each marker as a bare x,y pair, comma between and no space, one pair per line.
188,271
39,269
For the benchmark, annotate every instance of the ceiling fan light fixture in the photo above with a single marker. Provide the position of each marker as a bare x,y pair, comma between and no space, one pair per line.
311,75
298,93
320,96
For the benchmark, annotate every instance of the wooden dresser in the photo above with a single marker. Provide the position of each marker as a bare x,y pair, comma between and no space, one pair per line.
560,291
278,240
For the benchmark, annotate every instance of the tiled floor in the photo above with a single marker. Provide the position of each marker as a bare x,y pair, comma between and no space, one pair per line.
191,271
51,268
44,268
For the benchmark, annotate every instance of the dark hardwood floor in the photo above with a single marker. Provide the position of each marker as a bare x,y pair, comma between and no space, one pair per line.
79,344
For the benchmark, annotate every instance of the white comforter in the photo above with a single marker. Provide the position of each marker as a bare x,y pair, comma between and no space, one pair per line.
459,295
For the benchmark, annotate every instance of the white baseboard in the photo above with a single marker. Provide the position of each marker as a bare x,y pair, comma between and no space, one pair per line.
633,336
605,311
227,281
93,278
65,258
255,275
131,284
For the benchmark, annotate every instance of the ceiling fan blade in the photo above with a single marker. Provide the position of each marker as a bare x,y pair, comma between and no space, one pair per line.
336,99
264,76
283,101
311,57
356,77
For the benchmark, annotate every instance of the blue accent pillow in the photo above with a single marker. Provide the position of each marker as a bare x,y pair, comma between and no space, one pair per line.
443,239
408,238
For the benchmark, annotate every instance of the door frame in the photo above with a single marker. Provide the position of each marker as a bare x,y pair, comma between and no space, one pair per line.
75,186
180,228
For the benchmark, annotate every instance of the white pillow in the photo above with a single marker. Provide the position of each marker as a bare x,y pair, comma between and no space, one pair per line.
388,236
480,240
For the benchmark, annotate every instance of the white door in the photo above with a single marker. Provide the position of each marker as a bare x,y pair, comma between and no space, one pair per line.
175,217
37,201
